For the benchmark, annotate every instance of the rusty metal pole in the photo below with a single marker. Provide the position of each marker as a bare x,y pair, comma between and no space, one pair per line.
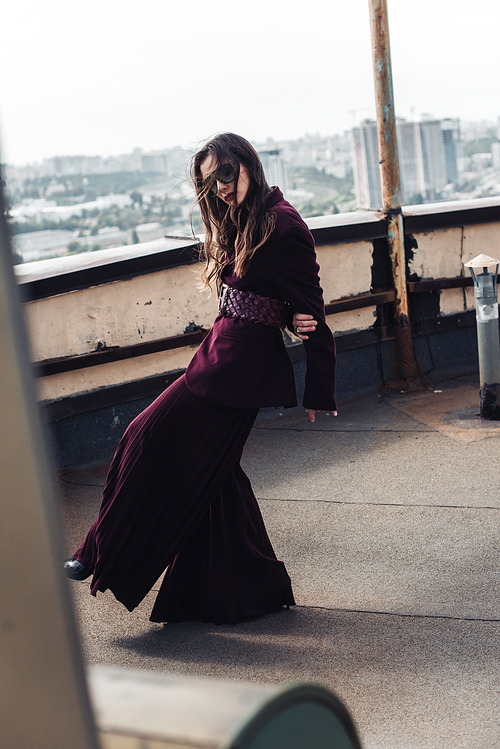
391,189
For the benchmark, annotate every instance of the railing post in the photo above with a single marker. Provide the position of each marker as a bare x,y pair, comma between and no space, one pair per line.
391,190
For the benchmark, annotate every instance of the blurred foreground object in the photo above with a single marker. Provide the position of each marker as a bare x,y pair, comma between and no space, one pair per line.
43,698
172,711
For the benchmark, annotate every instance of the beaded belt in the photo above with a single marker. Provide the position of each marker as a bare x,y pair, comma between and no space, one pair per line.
252,307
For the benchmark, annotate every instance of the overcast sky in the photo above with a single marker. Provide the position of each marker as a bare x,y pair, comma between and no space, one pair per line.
106,76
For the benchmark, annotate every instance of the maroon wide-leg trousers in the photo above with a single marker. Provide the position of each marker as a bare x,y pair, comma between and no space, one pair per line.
176,499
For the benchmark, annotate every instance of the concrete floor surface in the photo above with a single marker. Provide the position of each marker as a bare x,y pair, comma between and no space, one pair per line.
387,520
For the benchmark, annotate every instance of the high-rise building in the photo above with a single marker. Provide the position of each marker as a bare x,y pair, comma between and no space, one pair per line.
451,139
275,168
427,154
411,168
366,165
433,157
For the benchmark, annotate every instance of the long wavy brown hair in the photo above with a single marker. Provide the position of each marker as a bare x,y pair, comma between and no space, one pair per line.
239,230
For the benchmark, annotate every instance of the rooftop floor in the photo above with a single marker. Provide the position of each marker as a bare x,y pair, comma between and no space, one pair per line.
387,520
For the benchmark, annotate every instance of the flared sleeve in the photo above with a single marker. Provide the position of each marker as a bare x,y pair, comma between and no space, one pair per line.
295,273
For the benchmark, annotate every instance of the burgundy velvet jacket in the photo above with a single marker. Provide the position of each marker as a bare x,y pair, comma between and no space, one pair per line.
245,364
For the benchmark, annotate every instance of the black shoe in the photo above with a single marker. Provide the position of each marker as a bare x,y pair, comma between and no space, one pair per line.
75,570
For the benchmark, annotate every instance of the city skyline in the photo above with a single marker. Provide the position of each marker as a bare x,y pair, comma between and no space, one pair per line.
469,131
107,79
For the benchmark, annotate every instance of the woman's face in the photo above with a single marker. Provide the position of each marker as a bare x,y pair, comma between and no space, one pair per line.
232,193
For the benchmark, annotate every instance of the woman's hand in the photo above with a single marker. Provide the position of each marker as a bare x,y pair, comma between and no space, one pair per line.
303,324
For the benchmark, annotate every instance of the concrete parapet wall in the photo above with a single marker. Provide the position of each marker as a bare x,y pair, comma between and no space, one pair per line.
156,306
441,253
122,313
346,271
116,310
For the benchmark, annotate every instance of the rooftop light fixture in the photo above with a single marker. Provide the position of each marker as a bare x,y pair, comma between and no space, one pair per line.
488,336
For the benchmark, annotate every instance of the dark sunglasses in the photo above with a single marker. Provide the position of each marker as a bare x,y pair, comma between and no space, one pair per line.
225,174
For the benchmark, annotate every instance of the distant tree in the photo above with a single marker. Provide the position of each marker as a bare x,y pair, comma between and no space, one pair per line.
327,208
74,248
24,227
482,145
136,198
173,211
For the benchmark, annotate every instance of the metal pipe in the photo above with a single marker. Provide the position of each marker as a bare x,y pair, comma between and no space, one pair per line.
391,189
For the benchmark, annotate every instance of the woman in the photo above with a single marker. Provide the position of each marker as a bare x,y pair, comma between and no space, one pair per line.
176,497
